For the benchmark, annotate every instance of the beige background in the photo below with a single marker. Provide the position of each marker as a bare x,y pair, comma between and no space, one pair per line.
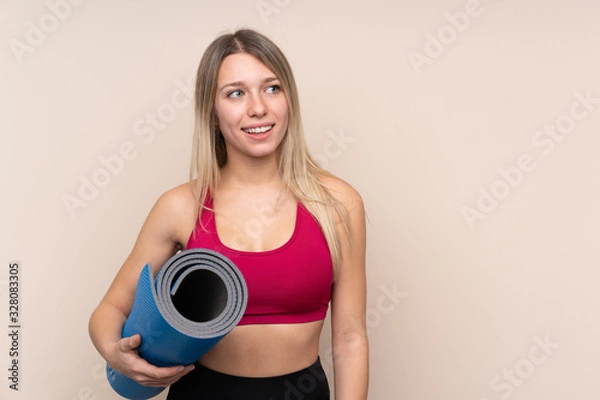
470,299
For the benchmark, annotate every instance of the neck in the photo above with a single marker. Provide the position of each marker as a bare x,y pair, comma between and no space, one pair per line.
250,172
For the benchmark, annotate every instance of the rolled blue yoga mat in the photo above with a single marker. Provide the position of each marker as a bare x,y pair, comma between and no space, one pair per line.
197,298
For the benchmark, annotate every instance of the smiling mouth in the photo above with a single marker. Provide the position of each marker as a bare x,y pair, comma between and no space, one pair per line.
259,129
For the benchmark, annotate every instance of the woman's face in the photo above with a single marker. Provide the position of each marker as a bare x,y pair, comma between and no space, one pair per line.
251,107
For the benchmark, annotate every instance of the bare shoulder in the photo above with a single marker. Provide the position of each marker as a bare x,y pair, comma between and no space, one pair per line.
174,212
179,199
343,192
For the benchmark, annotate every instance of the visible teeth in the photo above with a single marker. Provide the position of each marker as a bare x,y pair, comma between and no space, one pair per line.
261,129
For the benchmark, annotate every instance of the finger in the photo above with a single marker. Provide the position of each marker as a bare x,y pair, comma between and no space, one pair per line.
149,375
166,373
130,343
135,341
180,375
187,370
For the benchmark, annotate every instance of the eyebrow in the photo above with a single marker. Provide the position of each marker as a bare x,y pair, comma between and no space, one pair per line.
240,83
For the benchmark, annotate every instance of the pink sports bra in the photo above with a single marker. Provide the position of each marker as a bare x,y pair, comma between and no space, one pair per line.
289,284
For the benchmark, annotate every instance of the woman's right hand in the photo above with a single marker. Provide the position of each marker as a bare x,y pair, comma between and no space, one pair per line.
127,361
165,231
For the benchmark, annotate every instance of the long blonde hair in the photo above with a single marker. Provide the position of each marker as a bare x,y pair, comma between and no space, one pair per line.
298,169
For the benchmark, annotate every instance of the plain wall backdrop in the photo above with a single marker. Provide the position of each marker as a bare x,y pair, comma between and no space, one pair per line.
469,126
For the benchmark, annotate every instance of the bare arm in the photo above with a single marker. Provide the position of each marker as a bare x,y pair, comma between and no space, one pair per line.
160,237
348,305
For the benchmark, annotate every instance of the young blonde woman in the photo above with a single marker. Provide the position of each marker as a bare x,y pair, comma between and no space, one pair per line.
296,232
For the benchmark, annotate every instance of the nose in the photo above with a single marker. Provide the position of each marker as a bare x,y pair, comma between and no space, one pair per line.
257,106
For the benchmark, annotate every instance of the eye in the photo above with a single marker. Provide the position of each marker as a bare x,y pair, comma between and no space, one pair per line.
234,94
274,89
